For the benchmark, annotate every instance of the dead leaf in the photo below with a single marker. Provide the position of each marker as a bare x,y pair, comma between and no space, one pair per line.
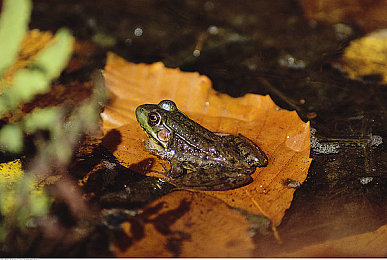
371,244
281,134
81,56
185,224
368,14
366,56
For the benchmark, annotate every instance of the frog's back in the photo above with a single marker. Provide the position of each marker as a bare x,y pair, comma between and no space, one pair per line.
190,131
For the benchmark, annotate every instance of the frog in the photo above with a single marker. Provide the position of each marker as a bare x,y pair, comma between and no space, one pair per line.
199,159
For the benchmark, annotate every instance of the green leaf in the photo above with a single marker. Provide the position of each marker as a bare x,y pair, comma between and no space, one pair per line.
42,119
13,26
11,137
47,66
55,57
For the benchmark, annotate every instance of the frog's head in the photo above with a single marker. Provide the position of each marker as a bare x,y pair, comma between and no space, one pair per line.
152,118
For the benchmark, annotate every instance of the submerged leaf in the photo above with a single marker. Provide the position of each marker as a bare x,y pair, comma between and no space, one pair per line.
369,15
370,244
281,134
367,57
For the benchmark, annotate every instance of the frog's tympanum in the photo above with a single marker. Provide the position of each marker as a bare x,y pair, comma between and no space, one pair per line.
215,161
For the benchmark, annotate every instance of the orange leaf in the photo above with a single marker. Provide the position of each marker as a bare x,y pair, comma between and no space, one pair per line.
186,224
281,134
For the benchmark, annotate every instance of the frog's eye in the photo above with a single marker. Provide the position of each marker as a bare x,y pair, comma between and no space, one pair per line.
154,119
168,105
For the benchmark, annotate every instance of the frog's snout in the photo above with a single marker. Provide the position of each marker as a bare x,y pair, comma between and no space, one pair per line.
140,114
139,111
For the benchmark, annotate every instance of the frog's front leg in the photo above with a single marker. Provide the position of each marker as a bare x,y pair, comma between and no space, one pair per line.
176,170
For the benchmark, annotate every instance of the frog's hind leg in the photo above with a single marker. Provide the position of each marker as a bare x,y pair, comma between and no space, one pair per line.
200,180
251,151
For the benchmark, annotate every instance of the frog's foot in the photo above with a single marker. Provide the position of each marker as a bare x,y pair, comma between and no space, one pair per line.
159,172
175,171
165,169
200,180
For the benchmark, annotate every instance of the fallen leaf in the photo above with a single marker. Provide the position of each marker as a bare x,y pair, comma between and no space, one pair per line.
371,244
366,56
185,224
281,134
368,14
81,56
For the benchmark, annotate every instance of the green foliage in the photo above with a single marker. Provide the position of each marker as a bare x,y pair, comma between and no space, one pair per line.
11,137
20,196
54,58
13,26
36,80
41,118
104,40
27,82
31,201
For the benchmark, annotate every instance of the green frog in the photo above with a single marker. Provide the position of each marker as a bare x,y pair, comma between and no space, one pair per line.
215,161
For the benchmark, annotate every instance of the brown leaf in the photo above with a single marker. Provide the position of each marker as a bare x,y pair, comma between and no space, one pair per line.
185,224
80,59
368,14
281,134
371,244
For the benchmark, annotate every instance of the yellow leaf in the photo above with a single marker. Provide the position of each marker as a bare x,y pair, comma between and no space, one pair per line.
366,56
10,172
11,175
